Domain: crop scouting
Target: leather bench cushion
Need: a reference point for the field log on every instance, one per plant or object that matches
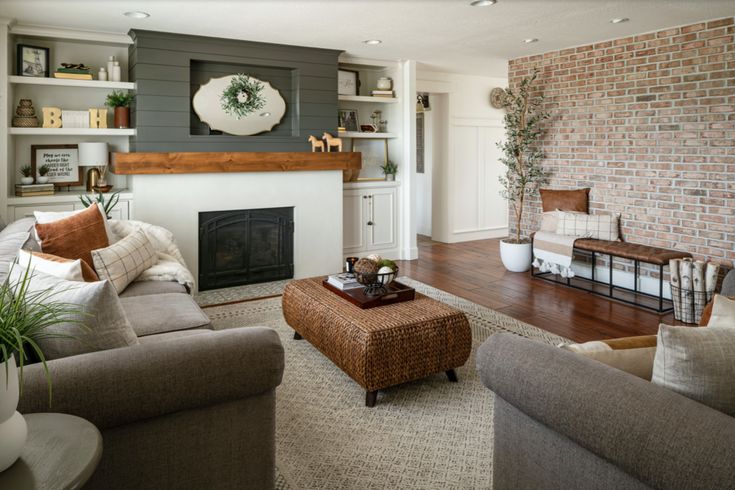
(145, 288)
(633, 251)
(159, 313)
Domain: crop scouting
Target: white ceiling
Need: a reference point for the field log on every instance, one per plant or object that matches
(444, 35)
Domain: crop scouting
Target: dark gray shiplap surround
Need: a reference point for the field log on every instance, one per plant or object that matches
(167, 67)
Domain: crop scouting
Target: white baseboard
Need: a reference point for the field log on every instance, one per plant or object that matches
(470, 235)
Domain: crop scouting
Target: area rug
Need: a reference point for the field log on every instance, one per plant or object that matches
(428, 434)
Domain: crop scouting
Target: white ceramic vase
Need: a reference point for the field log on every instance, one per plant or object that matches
(26, 180)
(13, 428)
(42, 179)
(516, 257)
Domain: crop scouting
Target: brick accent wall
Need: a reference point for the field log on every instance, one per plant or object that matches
(648, 122)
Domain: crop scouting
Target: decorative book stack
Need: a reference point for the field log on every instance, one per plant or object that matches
(343, 281)
(34, 190)
(73, 72)
(382, 93)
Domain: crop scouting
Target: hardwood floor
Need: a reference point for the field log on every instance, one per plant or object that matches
(473, 270)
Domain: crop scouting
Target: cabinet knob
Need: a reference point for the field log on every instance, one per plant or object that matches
(370, 223)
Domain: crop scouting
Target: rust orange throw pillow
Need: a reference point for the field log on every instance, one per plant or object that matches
(577, 200)
(87, 272)
(74, 237)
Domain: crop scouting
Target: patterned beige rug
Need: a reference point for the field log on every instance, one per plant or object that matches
(429, 434)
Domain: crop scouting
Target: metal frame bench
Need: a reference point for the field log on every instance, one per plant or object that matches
(623, 250)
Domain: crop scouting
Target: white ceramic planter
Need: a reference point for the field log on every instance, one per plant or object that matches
(516, 257)
(41, 179)
(13, 428)
(26, 180)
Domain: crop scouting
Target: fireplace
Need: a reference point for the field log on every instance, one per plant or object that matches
(245, 247)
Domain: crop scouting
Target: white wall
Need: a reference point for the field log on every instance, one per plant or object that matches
(467, 204)
(174, 202)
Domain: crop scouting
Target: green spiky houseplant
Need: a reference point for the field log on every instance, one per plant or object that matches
(25, 317)
(522, 155)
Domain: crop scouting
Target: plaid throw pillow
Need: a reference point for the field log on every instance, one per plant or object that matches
(598, 226)
(122, 262)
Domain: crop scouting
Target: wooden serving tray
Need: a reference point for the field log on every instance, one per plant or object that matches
(397, 293)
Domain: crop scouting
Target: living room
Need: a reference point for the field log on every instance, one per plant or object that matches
(367, 244)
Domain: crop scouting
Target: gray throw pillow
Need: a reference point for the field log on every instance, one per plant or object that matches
(107, 325)
(698, 363)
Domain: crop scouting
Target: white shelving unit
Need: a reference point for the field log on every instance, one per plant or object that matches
(368, 98)
(63, 82)
(65, 45)
(71, 131)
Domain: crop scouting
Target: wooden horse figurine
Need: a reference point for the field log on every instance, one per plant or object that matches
(316, 143)
(332, 142)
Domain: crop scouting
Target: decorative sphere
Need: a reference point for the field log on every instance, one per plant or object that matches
(388, 277)
(375, 258)
(366, 266)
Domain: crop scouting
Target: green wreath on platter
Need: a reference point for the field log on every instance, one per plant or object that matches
(243, 96)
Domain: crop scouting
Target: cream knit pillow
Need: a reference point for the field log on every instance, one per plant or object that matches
(598, 226)
(122, 262)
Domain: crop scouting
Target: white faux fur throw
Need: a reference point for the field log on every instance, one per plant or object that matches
(171, 265)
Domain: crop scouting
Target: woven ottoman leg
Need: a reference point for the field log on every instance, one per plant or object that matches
(452, 375)
(370, 398)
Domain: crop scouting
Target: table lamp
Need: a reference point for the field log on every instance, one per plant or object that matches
(94, 155)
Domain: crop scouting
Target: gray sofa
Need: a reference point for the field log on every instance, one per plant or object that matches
(562, 420)
(186, 408)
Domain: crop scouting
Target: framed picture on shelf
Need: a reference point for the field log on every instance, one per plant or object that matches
(63, 163)
(32, 61)
(348, 82)
(348, 119)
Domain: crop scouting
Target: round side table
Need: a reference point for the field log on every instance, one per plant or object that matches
(62, 452)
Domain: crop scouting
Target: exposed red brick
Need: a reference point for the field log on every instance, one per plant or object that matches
(648, 122)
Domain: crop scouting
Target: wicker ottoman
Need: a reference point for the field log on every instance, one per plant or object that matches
(379, 347)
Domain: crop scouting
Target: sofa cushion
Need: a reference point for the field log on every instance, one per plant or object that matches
(698, 363)
(122, 262)
(68, 269)
(10, 243)
(144, 288)
(88, 274)
(74, 237)
(576, 200)
(103, 315)
(159, 313)
(44, 217)
(168, 336)
(722, 313)
(633, 355)
(24, 224)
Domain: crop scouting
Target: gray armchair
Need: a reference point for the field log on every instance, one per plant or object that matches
(188, 410)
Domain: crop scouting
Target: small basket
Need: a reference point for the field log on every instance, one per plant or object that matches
(375, 283)
(689, 304)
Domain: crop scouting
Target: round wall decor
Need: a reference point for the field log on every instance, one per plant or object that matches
(497, 98)
(239, 105)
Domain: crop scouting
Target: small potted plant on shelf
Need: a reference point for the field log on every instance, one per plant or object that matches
(390, 170)
(522, 159)
(106, 204)
(43, 171)
(120, 101)
(27, 172)
(25, 316)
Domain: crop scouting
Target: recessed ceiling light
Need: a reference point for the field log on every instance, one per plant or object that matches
(483, 3)
(373, 42)
(137, 14)
(530, 40)
(619, 20)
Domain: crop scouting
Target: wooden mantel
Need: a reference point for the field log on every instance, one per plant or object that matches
(221, 162)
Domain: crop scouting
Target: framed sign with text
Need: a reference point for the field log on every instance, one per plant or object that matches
(62, 161)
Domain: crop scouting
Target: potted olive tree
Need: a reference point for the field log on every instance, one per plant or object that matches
(522, 159)
(24, 317)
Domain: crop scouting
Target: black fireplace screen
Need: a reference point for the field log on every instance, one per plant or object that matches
(245, 247)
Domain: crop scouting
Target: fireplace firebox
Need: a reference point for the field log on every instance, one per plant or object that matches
(245, 247)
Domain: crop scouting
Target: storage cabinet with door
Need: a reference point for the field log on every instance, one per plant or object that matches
(370, 221)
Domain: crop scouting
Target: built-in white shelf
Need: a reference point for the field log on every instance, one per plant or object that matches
(64, 82)
(371, 184)
(71, 131)
(359, 135)
(61, 196)
(368, 98)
